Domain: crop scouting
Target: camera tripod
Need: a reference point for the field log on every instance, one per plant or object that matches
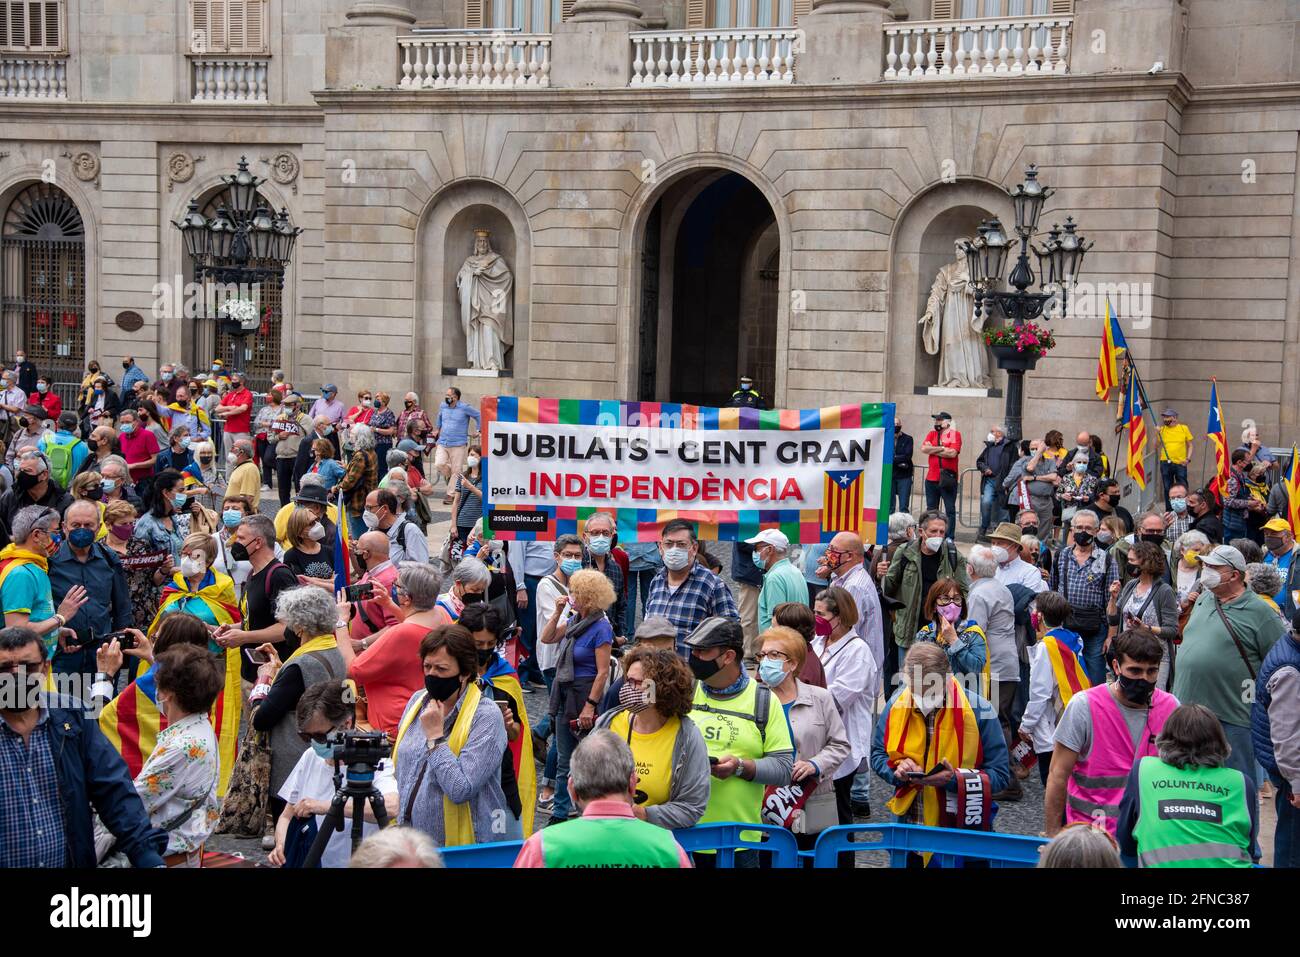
(359, 786)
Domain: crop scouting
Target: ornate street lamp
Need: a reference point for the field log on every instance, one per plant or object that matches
(1060, 259)
(244, 244)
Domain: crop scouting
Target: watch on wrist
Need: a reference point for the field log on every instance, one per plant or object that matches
(594, 704)
(740, 769)
(60, 619)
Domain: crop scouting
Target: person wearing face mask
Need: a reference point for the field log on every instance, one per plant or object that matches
(44, 398)
(961, 637)
(101, 405)
(744, 727)
(184, 410)
(1106, 503)
(140, 446)
(1012, 568)
(406, 542)
(1189, 771)
(64, 450)
(1083, 574)
(467, 499)
(853, 679)
(311, 553)
(936, 744)
(103, 445)
(452, 432)
(1150, 529)
(30, 428)
(322, 430)
(1245, 503)
(943, 446)
(328, 405)
(1228, 635)
(1205, 515)
(1083, 451)
(685, 592)
(313, 497)
(242, 475)
(131, 374)
(285, 433)
(308, 790)
(178, 457)
(1103, 732)
(325, 463)
(845, 565)
(994, 462)
(372, 615)
(146, 571)
(907, 578)
(585, 638)
(12, 402)
(1280, 549)
(166, 522)
(653, 717)
(1055, 676)
(198, 590)
(1077, 488)
(1178, 518)
(469, 582)
(600, 553)
(33, 485)
(501, 681)
(900, 493)
(450, 744)
(234, 509)
(25, 592)
(782, 582)
(82, 563)
(25, 372)
(1147, 599)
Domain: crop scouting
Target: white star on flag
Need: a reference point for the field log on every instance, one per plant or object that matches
(843, 480)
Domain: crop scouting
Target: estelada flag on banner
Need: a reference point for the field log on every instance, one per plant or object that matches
(842, 501)
(1215, 432)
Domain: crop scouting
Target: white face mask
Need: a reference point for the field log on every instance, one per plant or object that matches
(1001, 554)
(990, 438)
(192, 566)
(370, 519)
(232, 459)
(1211, 579)
(932, 545)
(677, 558)
(316, 532)
(472, 462)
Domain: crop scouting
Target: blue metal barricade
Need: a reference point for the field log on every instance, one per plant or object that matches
(500, 854)
(726, 840)
(951, 847)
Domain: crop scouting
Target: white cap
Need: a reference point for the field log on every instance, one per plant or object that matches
(770, 536)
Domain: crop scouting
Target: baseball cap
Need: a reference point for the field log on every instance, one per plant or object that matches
(656, 626)
(329, 387)
(941, 415)
(1277, 525)
(1225, 555)
(717, 633)
(211, 382)
(770, 536)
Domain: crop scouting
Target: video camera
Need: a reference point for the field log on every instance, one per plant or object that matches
(360, 747)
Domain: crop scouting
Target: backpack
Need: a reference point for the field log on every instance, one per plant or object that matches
(762, 703)
(60, 457)
(1023, 598)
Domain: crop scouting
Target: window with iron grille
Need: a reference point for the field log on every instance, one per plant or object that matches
(261, 352)
(32, 26)
(228, 26)
(43, 282)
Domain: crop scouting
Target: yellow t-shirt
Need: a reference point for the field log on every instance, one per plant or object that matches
(282, 521)
(1175, 440)
(246, 480)
(653, 754)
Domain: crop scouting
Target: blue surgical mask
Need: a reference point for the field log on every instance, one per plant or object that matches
(109, 485)
(571, 565)
(759, 561)
(180, 500)
(770, 672)
(598, 545)
(127, 428)
(323, 749)
(231, 517)
(81, 537)
(167, 377)
(1178, 504)
(185, 443)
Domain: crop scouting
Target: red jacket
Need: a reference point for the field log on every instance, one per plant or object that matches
(50, 402)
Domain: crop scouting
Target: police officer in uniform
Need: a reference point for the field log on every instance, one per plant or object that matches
(746, 397)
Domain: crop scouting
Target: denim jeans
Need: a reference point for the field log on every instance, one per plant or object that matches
(565, 743)
(638, 580)
(1094, 659)
(900, 499)
(988, 494)
(932, 496)
(546, 729)
(861, 790)
(1286, 839)
(528, 669)
(1171, 474)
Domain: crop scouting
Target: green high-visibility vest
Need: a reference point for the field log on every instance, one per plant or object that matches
(1191, 817)
(608, 842)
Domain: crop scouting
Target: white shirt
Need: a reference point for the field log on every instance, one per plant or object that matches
(14, 396)
(853, 679)
(313, 778)
(181, 774)
(1039, 721)
(548, 593)
(870, 627)
(1020, 572)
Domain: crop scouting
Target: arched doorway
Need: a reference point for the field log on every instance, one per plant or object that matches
(202, 338)
(43, 281)
(710, 262)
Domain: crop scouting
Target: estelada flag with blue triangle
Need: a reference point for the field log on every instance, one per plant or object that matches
(842, 501)
(1291, 482)
(1215, 432)
(1137, 433)
(1112, 345)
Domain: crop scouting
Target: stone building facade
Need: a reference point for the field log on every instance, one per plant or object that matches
(683, 191)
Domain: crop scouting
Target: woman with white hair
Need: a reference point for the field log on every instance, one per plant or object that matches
(308, 613)
(1189, 547)
(398, 847)
(469, 582)
(1265, 581)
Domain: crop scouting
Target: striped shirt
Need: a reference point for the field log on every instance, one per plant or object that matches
(31, 811)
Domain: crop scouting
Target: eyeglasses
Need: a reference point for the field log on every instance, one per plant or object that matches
(319, 737)
(772, 656)
(633, 682)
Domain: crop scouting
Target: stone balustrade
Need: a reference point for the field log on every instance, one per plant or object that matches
(467, 60)
(40, 78)
(997, 46)
(227, 79)
(671, 57)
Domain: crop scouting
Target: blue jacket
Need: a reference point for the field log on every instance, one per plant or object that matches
(92, 774)
(997, 761)
(1284, 653)
(108, 599)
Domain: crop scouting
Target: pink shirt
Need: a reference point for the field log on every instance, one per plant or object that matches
(138, 447)
(530, 855)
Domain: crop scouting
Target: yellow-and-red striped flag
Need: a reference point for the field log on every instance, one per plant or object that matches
(1291, 482)
(1113, 345)
(842, 501)
(1215, 432)
(1137, 433)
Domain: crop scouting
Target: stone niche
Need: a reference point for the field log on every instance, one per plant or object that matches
(446, 241)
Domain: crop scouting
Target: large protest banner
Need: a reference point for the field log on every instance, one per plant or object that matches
(548, 464)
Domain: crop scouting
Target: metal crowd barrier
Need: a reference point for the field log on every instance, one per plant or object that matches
(950, 847)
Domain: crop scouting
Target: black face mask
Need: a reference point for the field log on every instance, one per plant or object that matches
(1155, 538)
(449, 400)
(26, 481)
(440, 689)
(471, 598)
(485, 655)
(898, 429)
(1134, 571)
(703, 669)
(1028, 529)
(1137, 690)
(1083, 538)
(95, 494)
(238, 552)
(360, 560)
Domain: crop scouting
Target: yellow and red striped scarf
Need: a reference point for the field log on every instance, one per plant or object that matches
(956, 739)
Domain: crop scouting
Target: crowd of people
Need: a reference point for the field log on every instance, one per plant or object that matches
(1133, 659)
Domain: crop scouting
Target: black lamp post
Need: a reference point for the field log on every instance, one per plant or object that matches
(1060, 258)
(246, 244)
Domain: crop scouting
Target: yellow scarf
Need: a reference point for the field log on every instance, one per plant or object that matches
(319, 643)
(14, 555)
(956, 739)
(457, 819)
(219, 596)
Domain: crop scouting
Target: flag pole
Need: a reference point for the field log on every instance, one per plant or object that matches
(1146, 406)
